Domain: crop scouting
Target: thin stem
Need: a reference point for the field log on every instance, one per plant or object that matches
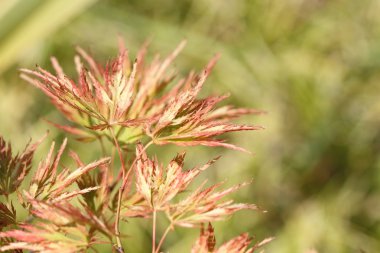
(117, 221)
(113, 153)
(134, 161)
(102, 145)
(119, 151)
(117, 230)
(154, 231)
(125, 178)
(163, 238)
(121, 191)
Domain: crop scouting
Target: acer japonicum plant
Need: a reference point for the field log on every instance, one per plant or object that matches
(132, 105)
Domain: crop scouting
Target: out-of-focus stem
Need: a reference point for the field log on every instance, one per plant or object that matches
(101, 142)
(154, 231)
(163, 238)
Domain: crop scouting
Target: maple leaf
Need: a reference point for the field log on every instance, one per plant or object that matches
(97, 200)
(205, 205)
(7, 215)
(60, 228)
(137, 99)
(188, 121)
(47, 238)
(121, 93)
(65, 213)
(240, 244)
(13, 169)
(47, 184)
(159, 185)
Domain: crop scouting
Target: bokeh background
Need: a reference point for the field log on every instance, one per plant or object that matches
(313, 65)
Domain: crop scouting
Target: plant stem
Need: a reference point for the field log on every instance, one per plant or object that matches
(120, 195)
(113, 153)
(117, 221)
(119, 151)
(122, 187)
(163, 238)
(102, 145)
(154, 231)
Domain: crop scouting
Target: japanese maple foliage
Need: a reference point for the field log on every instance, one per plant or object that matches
(132, 104)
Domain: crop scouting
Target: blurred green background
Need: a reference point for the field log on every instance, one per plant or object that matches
(314, 65)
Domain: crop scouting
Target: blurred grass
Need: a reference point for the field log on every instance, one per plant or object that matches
(312, 64)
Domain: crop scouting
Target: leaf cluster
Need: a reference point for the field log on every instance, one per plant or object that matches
(131, 104)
